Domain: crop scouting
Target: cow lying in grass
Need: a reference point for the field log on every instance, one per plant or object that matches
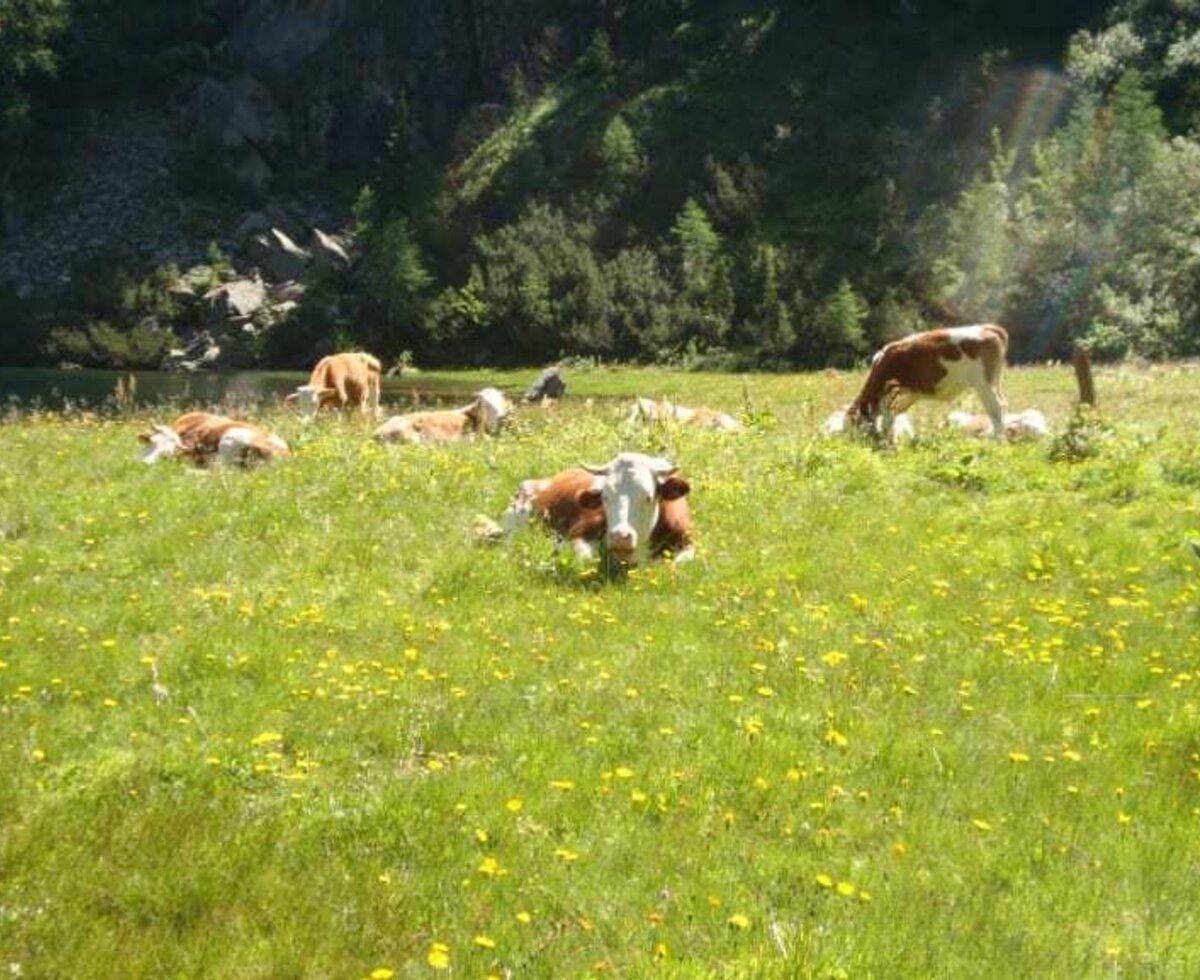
(1018, 426)
(205, 438)
(341, 381)
(648, 410)
(635, 507)
(485, 414)
(937, 364)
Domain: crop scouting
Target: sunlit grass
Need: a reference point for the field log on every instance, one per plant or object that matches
(930, 713)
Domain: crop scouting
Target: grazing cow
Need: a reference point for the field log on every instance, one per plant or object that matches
(1027, 425)
(340, 381)
(485, 414)
(936, 364)
(635, 506)
(836, 425)
(648, 410)
(205, 438)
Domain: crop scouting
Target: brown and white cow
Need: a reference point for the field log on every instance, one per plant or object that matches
(485, 414)
(635, 507)
(1027, 426)
(341, 381)
(649, 410)
(205, 438)
(938, 364)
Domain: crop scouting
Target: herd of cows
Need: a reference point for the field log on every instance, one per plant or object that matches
(635, 505)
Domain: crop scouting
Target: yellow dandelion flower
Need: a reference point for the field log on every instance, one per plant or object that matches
(491, 868)
(433, 765)
(438, 956)
(623, 772)
(846, 889)
(566, 855)
(980, 824)
(1018, 757)
(824, 881)
(739, 921)
(514, 805)
(524, 918)
(382, 973)
(564, 784)
(481, 835)
(484, 942)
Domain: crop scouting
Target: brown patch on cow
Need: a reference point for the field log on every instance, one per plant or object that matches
(434, 427)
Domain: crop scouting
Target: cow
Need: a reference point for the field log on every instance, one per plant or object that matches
(485, 414)
(648, 410)
(205, 438)
(550, 384)
(341, 381)
(937, 364)
(836, 425)
(1028, 425)
(635, 507)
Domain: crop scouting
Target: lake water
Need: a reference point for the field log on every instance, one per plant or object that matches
(53, 389)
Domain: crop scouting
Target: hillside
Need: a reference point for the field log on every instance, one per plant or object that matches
(726, 183)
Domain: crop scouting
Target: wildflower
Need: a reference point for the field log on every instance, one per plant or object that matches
(980, 824)
(514, 805)
(739, 921)
(846, 889)
(824, 881)
(438, 956)
(382, 973)
(484, 942)
(524, 918)
(565, 854)
(564, 784)
(491, 868)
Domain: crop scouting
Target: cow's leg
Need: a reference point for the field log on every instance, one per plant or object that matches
(993, 404)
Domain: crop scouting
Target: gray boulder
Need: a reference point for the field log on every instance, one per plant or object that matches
(277, 255)
(238, 299)
(327, 252)
(549, 384)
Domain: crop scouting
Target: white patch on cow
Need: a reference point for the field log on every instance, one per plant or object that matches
(494, 409)
(234, 445)
(163, 443)
(974, 331)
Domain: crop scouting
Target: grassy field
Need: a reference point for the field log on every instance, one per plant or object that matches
(926, 713)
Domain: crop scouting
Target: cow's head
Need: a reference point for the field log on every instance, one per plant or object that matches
(489, 410)
(631, 489)
(308, 399)
(162, 442)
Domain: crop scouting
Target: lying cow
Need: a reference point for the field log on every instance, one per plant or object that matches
(636, 507)
(1027, 425)
(341, 381)
(648, 410)
(937, 364)
(836, 425)
(485, 414)
(205, 438)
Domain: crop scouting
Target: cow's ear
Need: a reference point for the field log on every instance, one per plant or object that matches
(673, 487)
(144, 436)
(590, 499)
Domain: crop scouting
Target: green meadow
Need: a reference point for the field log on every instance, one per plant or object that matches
(932, 712)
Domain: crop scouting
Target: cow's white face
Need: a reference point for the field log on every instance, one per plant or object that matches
(631, 489)
(162, 442)
(308, 400)
(493, 409)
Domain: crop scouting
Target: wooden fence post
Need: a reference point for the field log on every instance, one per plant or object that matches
(1083, 376)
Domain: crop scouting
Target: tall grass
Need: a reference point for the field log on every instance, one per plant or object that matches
(927, 713)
